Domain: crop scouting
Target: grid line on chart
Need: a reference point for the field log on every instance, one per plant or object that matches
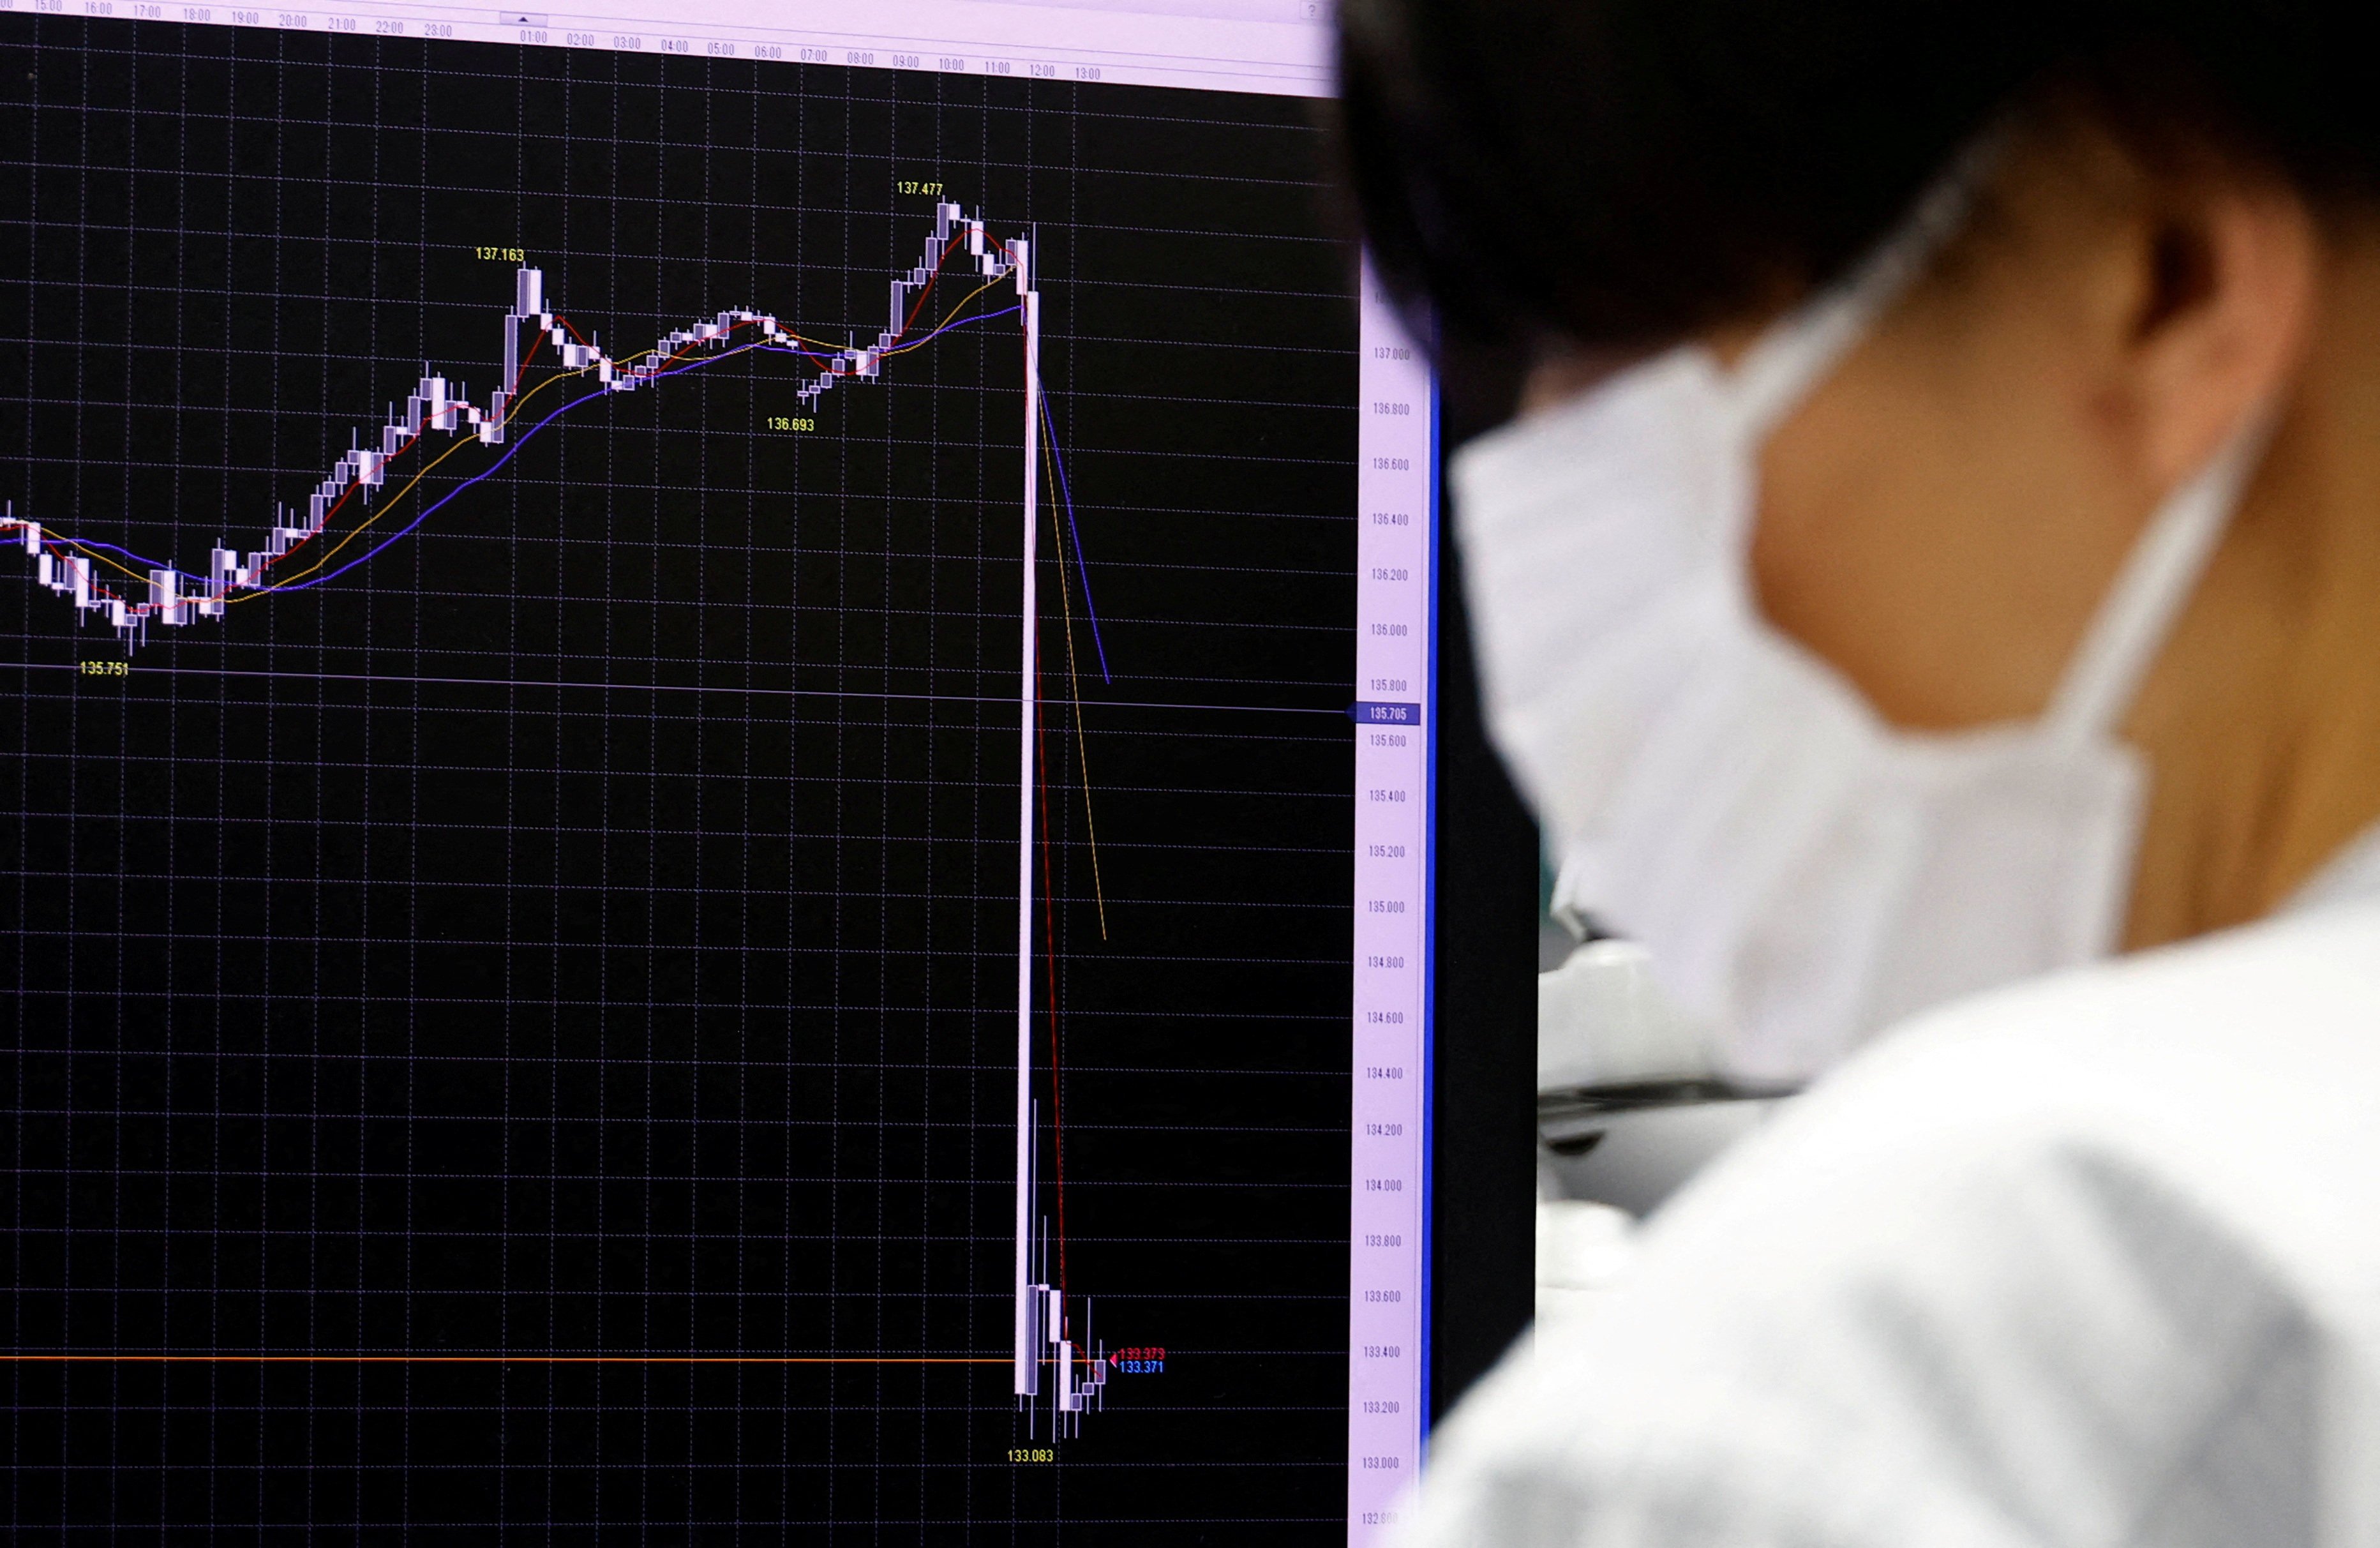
(377, 994)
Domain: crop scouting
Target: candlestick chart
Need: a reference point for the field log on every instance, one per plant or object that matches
(674, 795)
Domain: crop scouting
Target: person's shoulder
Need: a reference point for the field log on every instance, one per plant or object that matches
(1995, 1281)
(2296, 984)
(2221, 1058)
(2235, 1078)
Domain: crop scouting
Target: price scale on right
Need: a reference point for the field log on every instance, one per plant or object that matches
(1394, 720)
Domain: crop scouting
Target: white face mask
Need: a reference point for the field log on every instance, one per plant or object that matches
(1801, 873)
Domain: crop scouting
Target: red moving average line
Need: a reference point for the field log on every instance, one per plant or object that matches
(213, 1358)
(412, 441)
(513, 391)
(1050, 935)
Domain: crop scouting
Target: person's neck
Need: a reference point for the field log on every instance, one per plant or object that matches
(2261, 720)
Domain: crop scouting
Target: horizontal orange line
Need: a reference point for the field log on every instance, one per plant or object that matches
(13, 1358)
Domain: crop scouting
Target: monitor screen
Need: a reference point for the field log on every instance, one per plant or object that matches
(714, 780)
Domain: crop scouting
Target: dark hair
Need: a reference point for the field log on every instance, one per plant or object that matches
(1619, 173)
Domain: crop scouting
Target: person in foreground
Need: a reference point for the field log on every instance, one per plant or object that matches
(1939, 550)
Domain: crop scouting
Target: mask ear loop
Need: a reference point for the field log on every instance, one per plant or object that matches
(2158, 578)
(1799, 351)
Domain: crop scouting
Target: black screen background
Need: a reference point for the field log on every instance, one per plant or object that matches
(588, 928)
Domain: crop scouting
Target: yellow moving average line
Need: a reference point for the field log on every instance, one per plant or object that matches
(1074, 686)
(511, 409)
(391, 502)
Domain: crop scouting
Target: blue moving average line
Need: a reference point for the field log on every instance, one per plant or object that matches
(433, 405)
(1082, 565)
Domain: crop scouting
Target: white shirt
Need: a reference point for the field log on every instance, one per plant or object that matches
(2091, 1261)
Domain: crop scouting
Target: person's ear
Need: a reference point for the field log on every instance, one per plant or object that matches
(2222, 299)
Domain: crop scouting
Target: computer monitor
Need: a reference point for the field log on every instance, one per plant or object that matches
(718, 776)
